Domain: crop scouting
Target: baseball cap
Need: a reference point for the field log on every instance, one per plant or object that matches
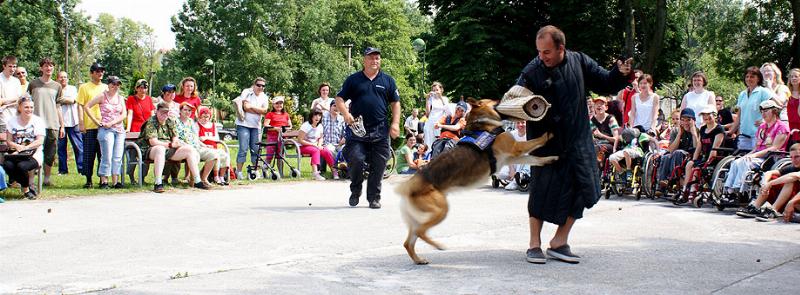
(768, 104)
(113, 80)
(97, 67)
(600, 97)
(708, 110)
(168, 88)
(461, 105)
(277, 99)
(371, 50)
(687, 112)
(203, 110)
(142, 82)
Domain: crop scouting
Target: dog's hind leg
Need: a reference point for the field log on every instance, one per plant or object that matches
(410, 243)
(438, 212)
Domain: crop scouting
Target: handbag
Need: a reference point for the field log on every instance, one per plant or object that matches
(23, 155)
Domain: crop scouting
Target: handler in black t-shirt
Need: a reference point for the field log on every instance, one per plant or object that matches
(370, 92)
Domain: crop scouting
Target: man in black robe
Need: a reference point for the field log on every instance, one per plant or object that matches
(560, 191)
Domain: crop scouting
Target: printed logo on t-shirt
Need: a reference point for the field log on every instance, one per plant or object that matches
(23, 136)
(380, 86)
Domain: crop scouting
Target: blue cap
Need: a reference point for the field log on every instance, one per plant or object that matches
(461, 105)
(687, 112)
(168, 87)
(371, 50)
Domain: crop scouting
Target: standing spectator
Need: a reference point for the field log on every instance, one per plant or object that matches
(159, 142)
(773, 81)
(86, 92)
(25, 132)
(111, 133)
(276, 119)
(188, 93)
(310, 139)
(69, 111)
(333, 131)
(254, 104)
(139, 108)
(793, 105)
(208, 135)
(423, 118)
(725, 119)
(188, 133)
(625, 99)
(46, 93)
(699, 97)
(10, 91)
(749, 115)
(559, 192)
(371, 93)
(323, 102)
(645, 106)
(412, 122)
(22, 75)
(168, 96)
(436, 108)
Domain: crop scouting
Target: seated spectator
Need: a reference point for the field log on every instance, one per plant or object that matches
(790, 213)
(421, 155)
(412, 122)
(277, 118)
(140, 108)
(682, 145)
(405, 159)
(188, 134)
(450, 126)
(25, 132)
(631, 140)
(159, 143)
(605, 129)
(333, 130)
(310, 139)
(770, 136)
(783, 180)
(208, 135)
(711, 136)
(111, 134)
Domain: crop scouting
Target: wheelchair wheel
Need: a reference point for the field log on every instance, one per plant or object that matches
(611, 188)
(698, 201)
(782, 163)
(389, 166)
(495, 181)
(718, 177)
(522, 181)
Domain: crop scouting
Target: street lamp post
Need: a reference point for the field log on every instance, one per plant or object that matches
(213, 65)
(349, 54)
(419, 47)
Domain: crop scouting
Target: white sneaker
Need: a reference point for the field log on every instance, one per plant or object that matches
(512, 186)
(318, 177)
(239, 175)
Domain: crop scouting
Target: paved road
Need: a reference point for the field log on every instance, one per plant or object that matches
(301, 238)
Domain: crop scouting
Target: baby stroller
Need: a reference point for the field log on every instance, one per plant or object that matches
(271, 154)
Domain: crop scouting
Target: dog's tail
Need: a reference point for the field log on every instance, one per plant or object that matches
(414, 211)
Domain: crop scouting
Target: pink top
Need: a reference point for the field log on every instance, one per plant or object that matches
(110, 109)
(765, 136)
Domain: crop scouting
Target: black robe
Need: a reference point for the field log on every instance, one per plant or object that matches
(572, 183)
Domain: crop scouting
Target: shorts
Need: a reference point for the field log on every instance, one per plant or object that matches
(620, 155)
(169, 153)
(207, 154)
(50, 146)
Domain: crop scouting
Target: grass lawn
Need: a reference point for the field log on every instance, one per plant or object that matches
(71, 184)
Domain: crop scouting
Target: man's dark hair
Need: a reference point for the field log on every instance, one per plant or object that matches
(555, 33)
(46, 61)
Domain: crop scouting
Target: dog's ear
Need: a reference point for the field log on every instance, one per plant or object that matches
(473, 102)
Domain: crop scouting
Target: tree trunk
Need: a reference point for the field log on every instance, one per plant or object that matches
(657, 40)
(629, 24)
(795, 49)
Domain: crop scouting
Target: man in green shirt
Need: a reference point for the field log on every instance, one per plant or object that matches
(45, 94)
(159, 142)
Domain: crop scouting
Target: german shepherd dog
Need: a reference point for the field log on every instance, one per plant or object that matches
(424, 204)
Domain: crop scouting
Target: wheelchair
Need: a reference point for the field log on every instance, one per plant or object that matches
(268, 161)
(341, 164)
(521, 178)
(620, 185)
(699, 189)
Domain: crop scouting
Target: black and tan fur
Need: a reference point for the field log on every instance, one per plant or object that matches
(424, 204)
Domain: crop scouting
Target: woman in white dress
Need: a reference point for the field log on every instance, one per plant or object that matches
(698, 98)
(645, 105)
(435, 107)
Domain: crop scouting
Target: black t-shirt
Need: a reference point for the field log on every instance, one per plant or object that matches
(788, 169)
(725, 116)
(707, 139)
(370, 99)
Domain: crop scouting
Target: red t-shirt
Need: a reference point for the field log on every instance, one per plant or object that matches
(194, 100)
(276, 120)
(208, 132)
(627, 94)
(142, 110)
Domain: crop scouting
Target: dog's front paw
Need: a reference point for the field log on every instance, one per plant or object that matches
(422, 261)
(550, 159)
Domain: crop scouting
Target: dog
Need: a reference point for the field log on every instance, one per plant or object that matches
(424, 202)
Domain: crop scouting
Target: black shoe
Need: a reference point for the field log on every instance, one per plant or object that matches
(354, 200)
(564, 254)
(88, 185)
(535, 255)
(32, 189)
(201, 185)
(749, 212)
(118, 185)
(158, 188)
(768, 214)
(29, 195)
(132, 178)
(375, 204)
(103, 185)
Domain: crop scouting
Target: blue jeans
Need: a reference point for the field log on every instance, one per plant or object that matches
(76, 139)
(746, 143)
(112, 144)
(248, 139)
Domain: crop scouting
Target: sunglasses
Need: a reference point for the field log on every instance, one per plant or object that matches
(261, 85)
(144, 86)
